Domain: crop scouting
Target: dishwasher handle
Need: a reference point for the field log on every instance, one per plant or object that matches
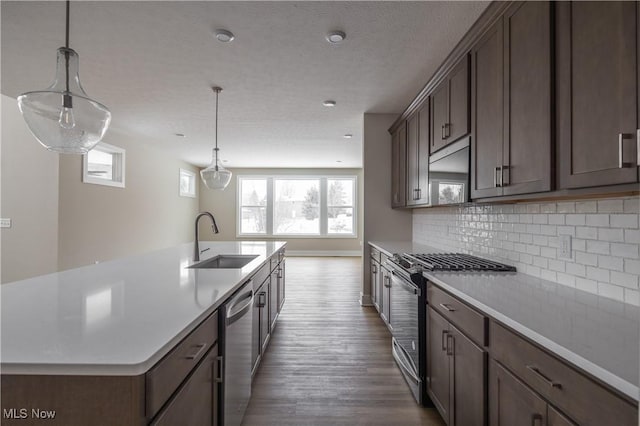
(240, 306)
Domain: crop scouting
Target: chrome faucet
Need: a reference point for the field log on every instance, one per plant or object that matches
(214, 227)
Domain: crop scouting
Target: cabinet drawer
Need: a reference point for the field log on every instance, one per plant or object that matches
(375, 254)
(195, 403)
(472, 323)
(165, 377)
(262, 274)
(581, 398)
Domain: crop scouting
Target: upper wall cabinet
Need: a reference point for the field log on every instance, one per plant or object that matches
(399, 167)
(511, 104)
(596, 93)
(450, 107)
(418, 157)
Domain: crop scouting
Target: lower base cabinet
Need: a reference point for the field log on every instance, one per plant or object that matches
(196, 402)
(455, 373)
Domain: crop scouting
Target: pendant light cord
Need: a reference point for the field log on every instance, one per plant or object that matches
(217, 93)
(67, 101)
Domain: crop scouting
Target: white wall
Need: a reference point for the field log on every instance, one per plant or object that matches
(99, 223)
(605, 235)
(29, 196)
(223, 205)
(381, 222)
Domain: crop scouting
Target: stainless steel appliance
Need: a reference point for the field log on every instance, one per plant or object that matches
(237, 354)
(408, 307)
(449, 174)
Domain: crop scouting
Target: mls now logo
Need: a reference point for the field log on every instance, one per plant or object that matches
(23, 413)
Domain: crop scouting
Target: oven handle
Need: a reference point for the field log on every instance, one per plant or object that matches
(410, 287)
(400, 356)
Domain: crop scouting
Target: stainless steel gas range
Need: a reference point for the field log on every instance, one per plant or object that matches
(408, 303)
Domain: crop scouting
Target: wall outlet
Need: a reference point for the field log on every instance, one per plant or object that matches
(565, 247)
(5, 223)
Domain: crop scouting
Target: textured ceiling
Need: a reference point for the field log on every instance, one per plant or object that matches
(153, 63)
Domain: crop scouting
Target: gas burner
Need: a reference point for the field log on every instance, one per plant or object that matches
(452, 262)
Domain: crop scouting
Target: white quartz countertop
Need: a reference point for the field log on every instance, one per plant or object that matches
(118, 317)
(598, 335)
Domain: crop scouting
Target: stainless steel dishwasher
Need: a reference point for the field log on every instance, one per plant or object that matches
(237, 354)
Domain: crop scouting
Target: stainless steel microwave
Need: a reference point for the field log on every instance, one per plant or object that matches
(449, 174)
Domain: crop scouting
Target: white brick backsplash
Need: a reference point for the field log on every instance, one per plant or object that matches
(608, 234)
(605, 257)
(624, 220)
(611, 206)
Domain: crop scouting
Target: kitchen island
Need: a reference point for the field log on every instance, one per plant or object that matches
(94, 332)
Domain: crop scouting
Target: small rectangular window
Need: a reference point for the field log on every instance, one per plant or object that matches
(187, 183)
(104, 165)
(340, 206)
(253, 206)
(296, 207)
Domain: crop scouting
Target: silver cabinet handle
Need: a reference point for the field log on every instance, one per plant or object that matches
(496, 180)
(445, 333)
(262, 299)
(447, 130)
(451, 339)
(220, 377)
(502, 170)
(387, 281)
(442, 132)
(200, 347)
(621, 138)
(544, 378)
(447, 307)
(374, 268)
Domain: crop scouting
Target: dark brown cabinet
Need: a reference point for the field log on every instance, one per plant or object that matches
(512, 402)
(511, 104)
(596, 93)
(281, 284)
(196, 402)
(399, 167)
(376, 283)
(418, 157)
(450, 107)
(273, 298)
(455, 373)
(385, 313)
(261, 324)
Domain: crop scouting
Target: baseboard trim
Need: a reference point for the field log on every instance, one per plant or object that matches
(324, 253)
(365, 300)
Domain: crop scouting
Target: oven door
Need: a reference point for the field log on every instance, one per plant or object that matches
(405, 302)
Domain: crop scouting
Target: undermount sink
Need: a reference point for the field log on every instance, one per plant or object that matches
(225, 261)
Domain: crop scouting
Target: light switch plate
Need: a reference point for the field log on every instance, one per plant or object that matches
(565, 247)
(5, 223)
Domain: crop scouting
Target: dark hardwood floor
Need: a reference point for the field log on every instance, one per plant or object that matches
(329, 361)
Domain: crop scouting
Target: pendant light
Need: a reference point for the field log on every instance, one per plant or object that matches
(216, 176)
(62, 117)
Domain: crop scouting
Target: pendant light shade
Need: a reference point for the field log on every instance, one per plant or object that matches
(62, 117)
(215, 176)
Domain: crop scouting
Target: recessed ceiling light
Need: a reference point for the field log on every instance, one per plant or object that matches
(329, 103)
(335, 37)
(225, 161)
(338, 161)
(180, 135)
(348, 136)
(224, 36)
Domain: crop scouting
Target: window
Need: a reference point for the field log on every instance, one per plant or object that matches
(309, 206)
(450, 193)
(187, 183)
(104, 165)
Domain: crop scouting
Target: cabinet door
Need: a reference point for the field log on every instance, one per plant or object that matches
(386, 296)
(468, 373)
(273, 298)
(596, 89)
(438, 364)
(511, 402)
(418, 157)
(398, 167)
(487, 113)
(255, 333)
(195, 403)
(439, 116)
(458, 124)
(555, 418)
(265, 323)
(527, 134)
(375, 271)
(281, 285)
